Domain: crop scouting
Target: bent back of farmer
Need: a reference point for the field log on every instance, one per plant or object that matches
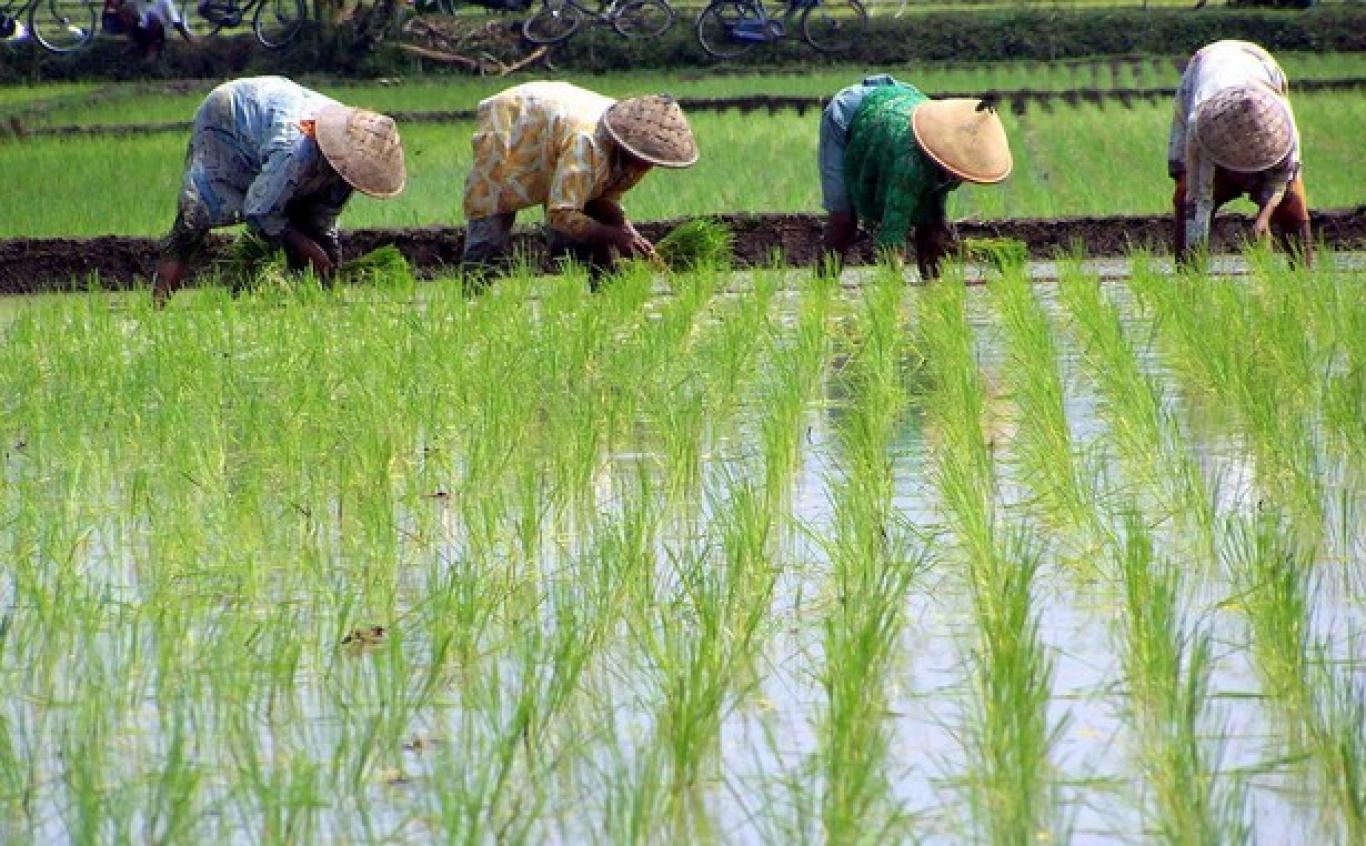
(889, 156)
(1233, 133)
(284, 160)
(574, 152)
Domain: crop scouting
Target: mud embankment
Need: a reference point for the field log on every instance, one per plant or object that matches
(111, 262)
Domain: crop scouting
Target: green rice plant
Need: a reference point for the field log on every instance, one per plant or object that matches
(709, 637)
(1142, 430)
(1342, 750)
(1000, 253)
(251, 258)
(696, 243)
(1274, 395)
(872, 566)
(1042, 442)
(1318, 708)
(1167, 666)
(199, 504)
(790, 385)
(384, 263)
(1012, 788)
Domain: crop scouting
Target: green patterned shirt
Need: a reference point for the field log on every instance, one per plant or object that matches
(890, 181)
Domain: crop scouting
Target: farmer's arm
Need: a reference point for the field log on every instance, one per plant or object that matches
(571, 189)
(318, 219)
(1290, 220)
(1199, 198)
(934, 239)
(608, 208)
(264, 209)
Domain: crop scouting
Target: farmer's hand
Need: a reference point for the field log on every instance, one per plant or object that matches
(1261, 227)
(932, 244)
(302, 249)
(170, 275)
(630, 243)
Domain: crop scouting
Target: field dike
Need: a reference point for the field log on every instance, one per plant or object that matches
(34, 265)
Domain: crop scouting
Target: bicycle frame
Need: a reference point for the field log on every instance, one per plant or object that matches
(16, 9)
(602, 14)
(240, 11)
(762, 29)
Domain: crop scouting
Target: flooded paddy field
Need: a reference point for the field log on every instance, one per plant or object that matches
(779, 561)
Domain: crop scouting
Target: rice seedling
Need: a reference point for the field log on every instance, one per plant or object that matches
(999, 253)
(1274, 574)
(697, 243)
(1042, 443)
(1012, 788)
(1210, 327)
(1168, 667)
(873, 563)
(1141, 429)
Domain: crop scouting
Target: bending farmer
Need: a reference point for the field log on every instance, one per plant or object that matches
(284, 160)
(575, 153)
(1233, 133)
(890, 155)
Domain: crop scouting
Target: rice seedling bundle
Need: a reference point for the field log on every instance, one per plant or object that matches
(695, 244)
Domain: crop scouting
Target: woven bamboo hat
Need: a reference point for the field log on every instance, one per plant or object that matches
(1246, 128)
(653, 129)
(364, 148)
(965, 137)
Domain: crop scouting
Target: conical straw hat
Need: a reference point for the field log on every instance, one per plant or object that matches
(653, 129)
(964, 137)
(1246, 128)
(364, 148)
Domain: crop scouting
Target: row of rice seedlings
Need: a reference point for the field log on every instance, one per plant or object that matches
(791, 383)
(1142, 431)
(1167, 665)
(1042, 444)
(1344, 402)
(1008, 736)
(873, 561)
(1208, 328)
(707, 633)
(1274, 574)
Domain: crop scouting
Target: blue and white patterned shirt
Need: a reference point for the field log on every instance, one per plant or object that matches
(250, 160)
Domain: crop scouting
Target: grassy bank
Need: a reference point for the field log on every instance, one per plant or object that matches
(1084, 160)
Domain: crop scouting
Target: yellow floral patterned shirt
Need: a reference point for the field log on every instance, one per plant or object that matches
(540, 144)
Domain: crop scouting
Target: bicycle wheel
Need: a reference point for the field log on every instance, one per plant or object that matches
(277, 22)
(730, 28)
(832, 26)
(62, 26)
(557, 20)
(643, 18)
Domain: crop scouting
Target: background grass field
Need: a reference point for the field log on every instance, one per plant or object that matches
(1083, 160)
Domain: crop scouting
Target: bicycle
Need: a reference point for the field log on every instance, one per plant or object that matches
(59, 26)
(730, 28)
(559, 19)
(275, 22)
